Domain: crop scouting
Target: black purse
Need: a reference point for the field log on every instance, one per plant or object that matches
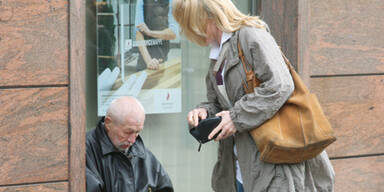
(204, 128)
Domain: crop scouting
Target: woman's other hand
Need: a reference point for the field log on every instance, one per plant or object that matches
(194, 115)
(226, 126)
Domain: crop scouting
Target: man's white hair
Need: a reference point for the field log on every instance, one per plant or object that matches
(124, 107)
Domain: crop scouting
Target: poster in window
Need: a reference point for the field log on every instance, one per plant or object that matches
(139, 54)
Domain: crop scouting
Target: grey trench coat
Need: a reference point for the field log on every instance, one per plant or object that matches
(250, 110)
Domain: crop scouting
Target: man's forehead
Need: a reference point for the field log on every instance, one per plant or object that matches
(137, 120)
(133, 124)
(130, 127)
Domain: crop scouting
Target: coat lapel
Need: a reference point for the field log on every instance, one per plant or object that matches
(232, 54)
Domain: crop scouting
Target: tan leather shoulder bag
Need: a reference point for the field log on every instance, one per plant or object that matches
(298, 131)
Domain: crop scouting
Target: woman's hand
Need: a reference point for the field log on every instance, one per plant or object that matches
(226, 126)
(194, 115)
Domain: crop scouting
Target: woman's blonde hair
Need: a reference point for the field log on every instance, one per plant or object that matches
(193, 15)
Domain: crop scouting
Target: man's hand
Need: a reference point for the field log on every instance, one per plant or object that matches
(154, 64)
(143, 28)
(226, 126)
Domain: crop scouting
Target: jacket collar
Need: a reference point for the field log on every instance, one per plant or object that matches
(234, 53)
(229, 52)
(136, 150)
(216, 49)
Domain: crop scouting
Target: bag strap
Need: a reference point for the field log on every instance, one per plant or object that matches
(287, 62)
(242, 58)
(251, 81)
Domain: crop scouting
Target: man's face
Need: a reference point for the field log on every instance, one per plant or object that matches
(123, 136)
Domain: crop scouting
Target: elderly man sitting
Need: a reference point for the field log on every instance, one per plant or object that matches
(117, 159)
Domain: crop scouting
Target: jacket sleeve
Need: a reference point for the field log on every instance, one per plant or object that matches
(262, 51)
(94, 183)
(212, 105)
(163, 181)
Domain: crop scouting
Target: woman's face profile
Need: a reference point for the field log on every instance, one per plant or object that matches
(212, 33)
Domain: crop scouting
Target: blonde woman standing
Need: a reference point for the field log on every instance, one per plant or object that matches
(219, 24)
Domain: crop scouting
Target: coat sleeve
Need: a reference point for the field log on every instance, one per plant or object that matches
(164, 183)
(212, 105)
(162, 180)
(94, 183)
(262, 51)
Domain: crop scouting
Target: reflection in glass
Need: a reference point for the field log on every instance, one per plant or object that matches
(180, 75)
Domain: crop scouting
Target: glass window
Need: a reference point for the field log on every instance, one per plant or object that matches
(117, 52)
(139, 54)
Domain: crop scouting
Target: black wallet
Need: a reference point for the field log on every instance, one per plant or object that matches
(204, 128)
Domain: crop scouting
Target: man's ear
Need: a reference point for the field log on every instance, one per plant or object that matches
(107, 122)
